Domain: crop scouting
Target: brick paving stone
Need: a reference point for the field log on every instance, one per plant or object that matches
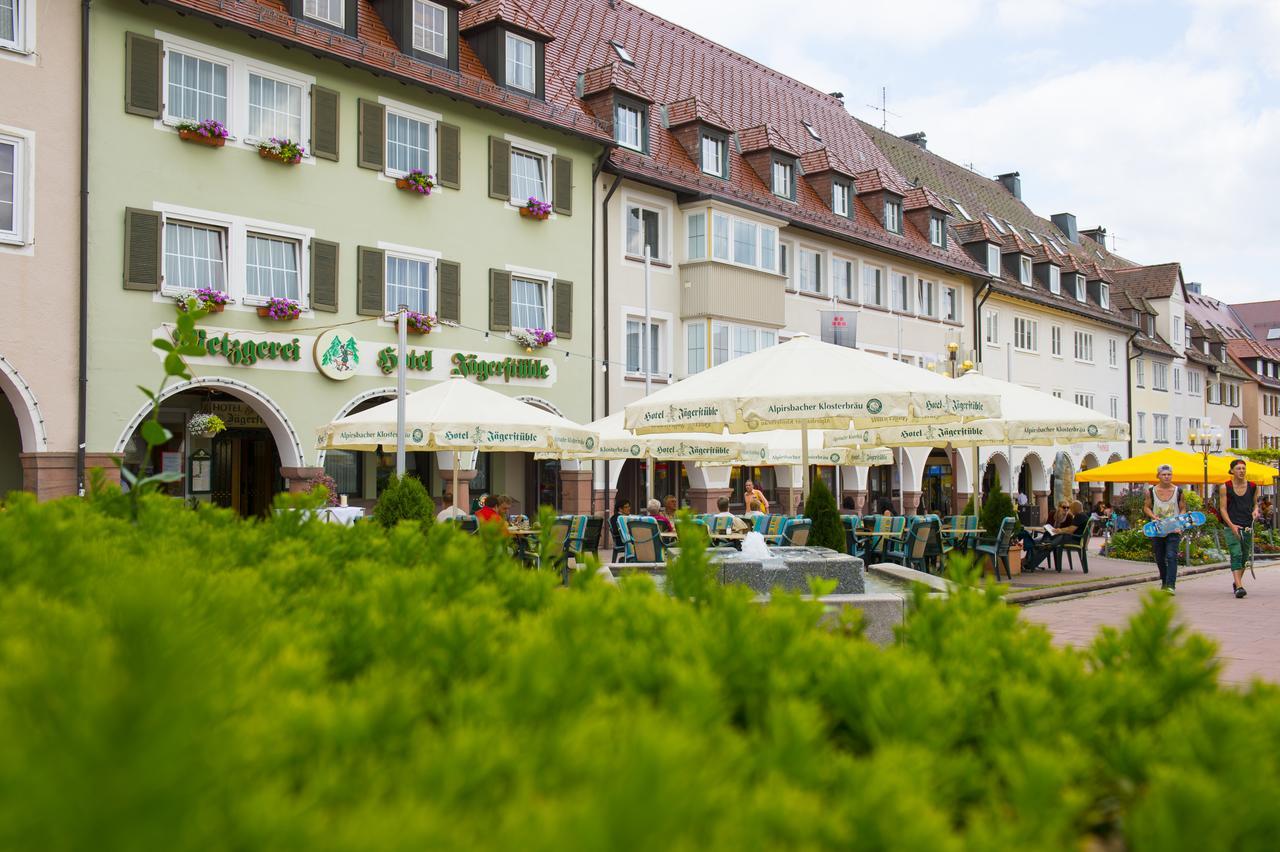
(1247, 630)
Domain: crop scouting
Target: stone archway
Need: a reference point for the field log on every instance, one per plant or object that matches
(22, 432)
(1038, 495)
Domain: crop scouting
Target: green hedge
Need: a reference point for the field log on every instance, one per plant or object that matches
(198, 682)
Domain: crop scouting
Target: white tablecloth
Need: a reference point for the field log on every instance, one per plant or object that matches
(345, 515)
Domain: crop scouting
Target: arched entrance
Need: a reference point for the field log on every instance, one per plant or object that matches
(21, 426)
(239, 467)
(879, 489)
(668, 478)
(361, 476)
(997, 465)
(1085, 490)
(1061, 480)
(937, 486)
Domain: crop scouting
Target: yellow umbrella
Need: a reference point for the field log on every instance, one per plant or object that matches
(1188, 469)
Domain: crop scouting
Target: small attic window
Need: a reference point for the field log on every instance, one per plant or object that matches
(964, 214)
(812, 132)
(1034, 238)
(995, 223)
(622, 52)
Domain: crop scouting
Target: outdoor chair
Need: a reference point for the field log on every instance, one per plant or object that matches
(796, 532)
(587, 541)
(760, 523)
(774, 526)
(923, 547)
(622, 541)
(873, 536)
(852, 545)
(645, 543)
(998, 548)
(1073, 543)
(895, 548)
(721, 524)
(468, 524)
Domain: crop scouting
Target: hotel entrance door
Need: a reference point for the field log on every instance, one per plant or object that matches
(246, 471)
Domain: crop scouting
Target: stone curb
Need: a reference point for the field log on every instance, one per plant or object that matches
(1037, 595)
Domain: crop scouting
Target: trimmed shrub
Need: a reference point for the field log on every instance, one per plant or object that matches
(404, 499)
(996, 506)
(199, 682)
(820, 508)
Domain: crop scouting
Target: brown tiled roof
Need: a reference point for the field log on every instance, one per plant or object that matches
(763, 136)
(375, 51)
(694, 109)
(1236, 422)
(1216, 316)
(823, 160)
(1260, 317)
(1241, 350)
(1154, 344)
(976, 232)
(1012, 243)
(507, 11)
(612, 75)
(1149, 282)
(673, 64)
(919, 197)
(876, 180)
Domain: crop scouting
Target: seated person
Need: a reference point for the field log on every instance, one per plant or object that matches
(450, 511)
(621, 508)
(736, 524)
(670, 506)
(753, 509)
(655, 511)
(1036, 550)
(488, 512)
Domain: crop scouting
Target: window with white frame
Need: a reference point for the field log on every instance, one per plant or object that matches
(195, 256)
(810, 265)
(1177, 330)
(1084, 346)
(951, 304)
(1104, 294)
(937, 231)
(13, 189)
(629, 126)
(1080, 288)
(1055, 340)
(1177, 379)
(1160, 428)
(991, 326)
(842, 278)
(695, 336)
(1237, 438)
(1026, 333)
(1213, 393)
(784, 262)
(1177, 430)
(1057, 393)
(528, 302)
(926, 298)
(752, 244)
(1084, 399)
(840, 198)
(695, 226)
(901, 292)
(720, 336)
(275, 108)
(1160, 377)
(1055, 280)
(271, 267)
(13, 24)
(528, 176)
(732, 340)
(637, 354)
(893, 216)
(197, 87)
(783, 179)
(329, 11)
(1194, 382)
(430, 28)
(1113, 352)
(1114, 407)
(1142, 426)
(1024, 270)
(993, 259)
(713, 155)
(1139, 373)
(873, 285)
(408, 283)
(409, 143)
(644, 228)
(521, 57)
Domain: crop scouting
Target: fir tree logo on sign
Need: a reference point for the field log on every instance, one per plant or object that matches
(337, 357)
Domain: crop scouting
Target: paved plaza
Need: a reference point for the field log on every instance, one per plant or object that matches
(1247, 630)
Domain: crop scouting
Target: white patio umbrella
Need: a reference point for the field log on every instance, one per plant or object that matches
(783, 447)
(462, 416)
(619, 443)
(806, 384)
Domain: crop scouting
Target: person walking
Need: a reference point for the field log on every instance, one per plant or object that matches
(749, 491)
(1238, 505)
(1165, 500)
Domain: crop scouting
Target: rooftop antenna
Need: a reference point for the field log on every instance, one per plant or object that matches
(883, 109)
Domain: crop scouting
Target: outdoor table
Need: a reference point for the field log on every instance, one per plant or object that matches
(345, 515)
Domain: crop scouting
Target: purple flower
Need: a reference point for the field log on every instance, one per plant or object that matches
(540, 209)
(422, 323)
(420, 182)
(283, 309)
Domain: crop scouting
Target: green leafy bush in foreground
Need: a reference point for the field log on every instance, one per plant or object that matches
(197, 682)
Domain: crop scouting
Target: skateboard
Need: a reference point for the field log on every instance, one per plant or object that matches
(1172, 524)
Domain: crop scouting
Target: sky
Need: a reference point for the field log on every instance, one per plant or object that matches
(1156, 119)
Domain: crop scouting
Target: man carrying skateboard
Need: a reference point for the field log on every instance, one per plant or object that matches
(1238, 505)
(1165, 500)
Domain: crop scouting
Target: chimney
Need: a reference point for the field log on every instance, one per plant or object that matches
(917, 138)
(1098, 235)
(1195, 287)
(1066, 223)
(1012, 182)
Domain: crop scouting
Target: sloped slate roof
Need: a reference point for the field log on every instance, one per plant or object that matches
(612, 75)
(506, 11)
(694, 109)
(1150, 282)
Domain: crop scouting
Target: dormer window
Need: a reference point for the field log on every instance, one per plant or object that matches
(1104, 295)
(995, 223)
(1080, 291)
(840, 198)
(893, 216)
(937, 231)
(521, 63)
(628, 122)
(993, 259)
(784, 179)
(1055, 280)
(622, 52)
(1024, 270)
(331, 12)
(714, 161)
(813, 133)
(431, 28)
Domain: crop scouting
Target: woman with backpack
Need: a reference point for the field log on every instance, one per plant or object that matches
(1238, 505)
(1165, 500)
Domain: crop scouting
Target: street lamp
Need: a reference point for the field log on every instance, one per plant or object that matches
(1206, 441)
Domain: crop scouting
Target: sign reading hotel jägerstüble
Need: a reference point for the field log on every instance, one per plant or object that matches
(339, 355)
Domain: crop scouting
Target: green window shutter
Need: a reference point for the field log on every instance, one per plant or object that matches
(324, 275)
(563, 318)
(499, 300)
(142, 249)
(324, 123)
(373, 129)
(370, 282)
(562, 169)
(499, 168)
(449, 285)
(449, 155)
(143, 59)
